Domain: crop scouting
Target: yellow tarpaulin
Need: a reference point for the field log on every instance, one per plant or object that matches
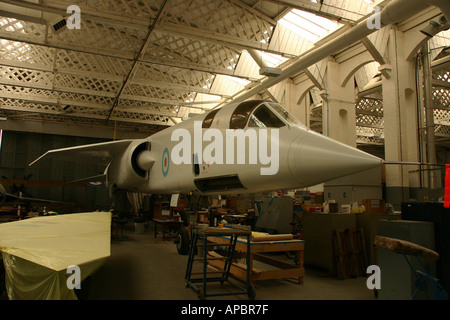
(37, 252)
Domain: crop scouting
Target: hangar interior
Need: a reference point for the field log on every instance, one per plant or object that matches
(85, 72)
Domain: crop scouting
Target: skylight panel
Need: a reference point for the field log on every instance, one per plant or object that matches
(239, 81)
(319, 22)
(3, 22)
(310, 26)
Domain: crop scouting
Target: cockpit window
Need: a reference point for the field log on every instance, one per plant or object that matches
(284, 114)
(260, 114)
(209, 119)
(242, 112)
(263, 117)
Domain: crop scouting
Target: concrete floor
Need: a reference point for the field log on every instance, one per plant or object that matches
(143, 268)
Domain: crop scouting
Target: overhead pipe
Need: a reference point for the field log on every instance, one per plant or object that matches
(257, 57)
(394, 12)
(444, 5)
(264, 68)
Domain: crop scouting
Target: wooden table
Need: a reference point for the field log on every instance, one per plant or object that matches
(282, 270)
(166, 224)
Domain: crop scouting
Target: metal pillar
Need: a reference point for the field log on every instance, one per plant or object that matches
(429, 112)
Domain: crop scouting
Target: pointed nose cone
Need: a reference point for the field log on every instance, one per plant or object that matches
(314, 159)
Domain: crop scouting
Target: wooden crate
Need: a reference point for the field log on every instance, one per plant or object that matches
(349, 253)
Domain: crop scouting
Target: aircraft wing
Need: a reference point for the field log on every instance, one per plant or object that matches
(98, 178)
(12, 199)
(98, 152)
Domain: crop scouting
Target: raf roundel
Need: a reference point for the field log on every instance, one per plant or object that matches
(165, 162)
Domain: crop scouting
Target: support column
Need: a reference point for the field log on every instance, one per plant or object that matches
(429, 114)
(400, 121)
(339, 114)
(297, 106)
(339, 118)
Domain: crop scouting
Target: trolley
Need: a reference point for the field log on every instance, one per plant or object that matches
(199, 238)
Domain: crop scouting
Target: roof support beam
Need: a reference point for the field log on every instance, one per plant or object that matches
(394, 12)
(136, 60)
(373, 51)
(27, 109)
(441, 84)
(105, 76)
(62, 103)
(45, 43)
(220, 39)
(61, 89)
(318, 9)
(166, 27)
(114, 54)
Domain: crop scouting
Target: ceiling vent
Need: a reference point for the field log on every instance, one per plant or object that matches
(58, 24)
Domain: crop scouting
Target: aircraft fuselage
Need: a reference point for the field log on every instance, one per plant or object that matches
(254, 146)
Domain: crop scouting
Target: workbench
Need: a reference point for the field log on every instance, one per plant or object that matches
(282, 270)
(166, 224)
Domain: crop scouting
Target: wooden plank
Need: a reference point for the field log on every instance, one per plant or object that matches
(358, 246)
(239, 271)
(272, 247)
(281, 274)
(207, 272)
(337, 261)
(284, 270)
(405, 247)
(350, 253)
(259, 274)
(210, 258)
(273, 262)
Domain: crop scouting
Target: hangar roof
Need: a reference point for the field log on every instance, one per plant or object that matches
(148, 64)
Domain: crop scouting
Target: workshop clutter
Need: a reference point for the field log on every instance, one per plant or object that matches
(374, 206)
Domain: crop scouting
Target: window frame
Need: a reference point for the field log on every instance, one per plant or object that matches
(240, 117)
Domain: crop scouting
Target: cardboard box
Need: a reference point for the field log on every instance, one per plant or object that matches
(376, 206)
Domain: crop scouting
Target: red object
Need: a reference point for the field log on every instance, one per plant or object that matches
(447, 187)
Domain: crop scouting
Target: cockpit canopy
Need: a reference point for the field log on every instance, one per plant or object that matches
(261, 114)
